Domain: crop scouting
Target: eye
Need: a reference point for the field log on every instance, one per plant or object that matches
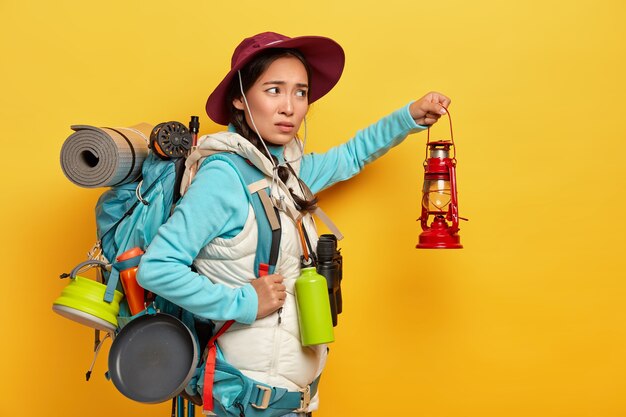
(301, 93)
(272, 90)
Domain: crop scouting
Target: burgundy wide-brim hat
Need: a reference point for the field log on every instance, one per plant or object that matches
(324, 56)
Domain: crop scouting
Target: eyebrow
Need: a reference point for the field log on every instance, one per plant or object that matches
(283, 83)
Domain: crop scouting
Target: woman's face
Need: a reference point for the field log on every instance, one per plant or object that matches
(278, 100)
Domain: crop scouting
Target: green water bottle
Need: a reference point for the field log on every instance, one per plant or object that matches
(314, 316)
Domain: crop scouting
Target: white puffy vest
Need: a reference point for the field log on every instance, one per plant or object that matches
(268, 350)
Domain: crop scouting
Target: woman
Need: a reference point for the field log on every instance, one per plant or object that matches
(202, 258)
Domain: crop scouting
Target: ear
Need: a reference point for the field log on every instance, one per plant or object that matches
(238, 103)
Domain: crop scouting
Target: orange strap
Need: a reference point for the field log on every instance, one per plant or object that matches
(209, 368)
(305, 251)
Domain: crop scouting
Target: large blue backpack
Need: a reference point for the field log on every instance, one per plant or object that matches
(129, 216)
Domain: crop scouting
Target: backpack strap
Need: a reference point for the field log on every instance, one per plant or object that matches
(264, 396)
(267, 218)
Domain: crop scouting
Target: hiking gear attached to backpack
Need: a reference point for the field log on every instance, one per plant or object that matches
(165, 371)
(314, 315)
(128, 216)
(82, 300)
(170, 140)
(330, 265)
(105, 157)
(136, 297)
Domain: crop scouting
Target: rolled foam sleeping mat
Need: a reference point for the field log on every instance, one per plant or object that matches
(105, 157)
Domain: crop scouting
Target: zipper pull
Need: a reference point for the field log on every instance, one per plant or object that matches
(280, 319)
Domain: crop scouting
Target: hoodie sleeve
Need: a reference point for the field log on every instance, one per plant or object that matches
(320, 171)
(215, 205)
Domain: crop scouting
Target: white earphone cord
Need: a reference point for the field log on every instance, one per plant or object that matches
(300, 144)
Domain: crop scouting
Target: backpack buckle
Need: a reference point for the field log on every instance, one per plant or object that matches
(305, 399)
(265, 401)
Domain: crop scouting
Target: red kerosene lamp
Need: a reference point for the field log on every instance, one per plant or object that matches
(439, 199)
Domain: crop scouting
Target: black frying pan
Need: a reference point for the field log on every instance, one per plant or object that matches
(152, 358)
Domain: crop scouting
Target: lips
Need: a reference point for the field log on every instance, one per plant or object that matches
(285, 127)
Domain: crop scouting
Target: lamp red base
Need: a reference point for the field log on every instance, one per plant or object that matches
(439, 236)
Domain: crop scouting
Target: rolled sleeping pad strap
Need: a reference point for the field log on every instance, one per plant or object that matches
(128, 263)
(105, 157)
(114, 278)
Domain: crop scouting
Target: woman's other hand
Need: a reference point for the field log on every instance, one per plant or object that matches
(271, 293)
(428, 109)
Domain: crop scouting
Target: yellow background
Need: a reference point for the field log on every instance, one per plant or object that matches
(528, 320)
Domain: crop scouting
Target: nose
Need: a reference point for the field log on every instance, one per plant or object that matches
(286, 105)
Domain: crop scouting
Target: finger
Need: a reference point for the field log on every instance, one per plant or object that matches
(277, 278)
(430, 120)
(437, 97)
(433, 108)
(428, 108)
(280, 287)
(441, 99)
(432, 116)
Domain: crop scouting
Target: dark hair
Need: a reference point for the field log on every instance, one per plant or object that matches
(250, 73)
